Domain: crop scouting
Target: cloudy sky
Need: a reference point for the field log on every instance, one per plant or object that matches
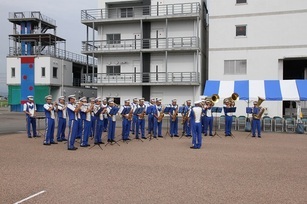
(66, 13)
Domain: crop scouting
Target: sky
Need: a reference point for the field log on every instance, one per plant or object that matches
(68, 20)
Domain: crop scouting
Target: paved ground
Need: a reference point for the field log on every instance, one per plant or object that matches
(226, 170)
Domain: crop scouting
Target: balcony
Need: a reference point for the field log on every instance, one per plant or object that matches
(137, 45)
(139, 12)
(137, 79)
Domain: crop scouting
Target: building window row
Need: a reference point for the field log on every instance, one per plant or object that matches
(235, 67)
(113, 38)
(241, 1)
(113, 70)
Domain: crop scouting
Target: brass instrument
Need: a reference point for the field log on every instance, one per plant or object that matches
(142, 115)
(174, 115)
(185, 117)
(161, 115)
(261, 111)
(130, 114)
(234, 97)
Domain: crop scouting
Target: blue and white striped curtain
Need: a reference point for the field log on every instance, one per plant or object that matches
(270, 90)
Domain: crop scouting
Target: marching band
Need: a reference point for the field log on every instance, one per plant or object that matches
(91, 119)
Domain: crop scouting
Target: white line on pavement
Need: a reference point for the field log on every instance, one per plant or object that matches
(36, 194)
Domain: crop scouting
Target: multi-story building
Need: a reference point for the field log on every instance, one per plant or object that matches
(147, 48)
(258, 40)
(38, 63)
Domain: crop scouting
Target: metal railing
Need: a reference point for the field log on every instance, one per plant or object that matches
(31, 14)
(138, 44)
(59, 53)
(149, 77)
(141, 11)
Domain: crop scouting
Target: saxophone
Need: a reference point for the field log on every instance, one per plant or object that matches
(174, 115)
(185, 117)
(161, 115)
(130, 115)
(142, 115)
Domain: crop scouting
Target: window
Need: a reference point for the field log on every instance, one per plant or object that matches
(43, 71)
(55, 72)
(13, 74)
(232, 67)
(113, 70)
(241, 1)
(126, 12)
(241, 30)
(113, 38)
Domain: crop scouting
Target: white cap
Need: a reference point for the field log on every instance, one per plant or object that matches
(97, 99)
(141, 99)
(61, 98)
(30, 97)
(71, 96)
(92, 99)
(197, 102)
(174, 100)
(159, 99)
(127, 100)
(83, 99)
(49, 97)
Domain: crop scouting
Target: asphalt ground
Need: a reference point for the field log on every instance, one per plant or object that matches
(238, 169)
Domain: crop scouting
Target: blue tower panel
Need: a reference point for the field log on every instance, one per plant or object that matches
(27, 77)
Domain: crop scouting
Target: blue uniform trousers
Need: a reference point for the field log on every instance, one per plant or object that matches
(61, 129)
(126, 128)
(134, 122)
(150, 123)
(98, 130)
(140, 125)
(209, 125)
(93, 122)
(196, 135)
(111, 129)
(228, 124)
(86, 127)
(105, 124)
(256, 126)
(79, 128)
(157, 128)
(31, 121)
(72, 133)
(173, 126)
(49, 132)
(187, 128)
(203, 123)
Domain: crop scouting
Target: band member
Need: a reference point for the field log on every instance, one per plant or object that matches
(62, 113)
(209, 118)
(256, 121)
(72, 110)
(134, 105)
(99, 112)
(79, 123)
(105, 115)
(140, 125)
(158, 117)
(228, 118)
(30, 110)
(196, 127)
(174, 119)
(126, 112)
(85, 113)
(93, 118)
(150, 115)
(112, 122)
(49, 121)
(185, 119)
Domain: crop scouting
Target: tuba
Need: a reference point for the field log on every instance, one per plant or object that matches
(261, 111)
(234, 97)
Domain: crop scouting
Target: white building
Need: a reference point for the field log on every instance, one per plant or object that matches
(258, 40)
(147, 48)
(38, 66)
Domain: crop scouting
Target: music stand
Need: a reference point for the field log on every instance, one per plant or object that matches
(216, 110)
(231, 110)
(114, 110)
(167, 110)
(38, 132)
